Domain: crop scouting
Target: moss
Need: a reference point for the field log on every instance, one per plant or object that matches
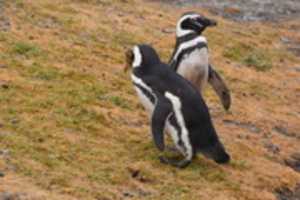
(258, 60)
(250, 56)
(25, 48)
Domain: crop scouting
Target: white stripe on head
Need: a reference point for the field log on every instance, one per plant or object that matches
(189, 44)
(181, 32)
(137, 61)
(179, 116)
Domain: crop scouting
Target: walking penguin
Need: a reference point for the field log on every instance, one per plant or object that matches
(175, 106)
(190, 57)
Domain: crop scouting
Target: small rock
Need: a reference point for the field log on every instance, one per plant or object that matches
(9, 196)
(138, 175)
(285, 193)
(251, 127)
(285, 40)
(125, 194)
(3, 134)
(3, 66)
(15, 121)
(168, 30)
(284, 131)
(31, 37)
(4, 84)
(297, 69)
(294, 162)
(2, 174)
(134, 172)
(272, 147)
(4, 152)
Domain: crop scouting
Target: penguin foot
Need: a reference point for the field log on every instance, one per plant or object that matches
(172, 149)
(171, 161)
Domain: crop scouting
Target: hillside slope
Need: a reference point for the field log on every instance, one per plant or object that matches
(71, 126)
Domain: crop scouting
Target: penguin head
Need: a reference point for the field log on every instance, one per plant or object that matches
(193, 23)
(141, 56)
(217, 153)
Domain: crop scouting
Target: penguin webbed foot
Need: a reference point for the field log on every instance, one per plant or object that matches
(172, 149)
(176, 163)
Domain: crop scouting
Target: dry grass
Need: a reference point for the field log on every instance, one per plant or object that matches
(75, 129)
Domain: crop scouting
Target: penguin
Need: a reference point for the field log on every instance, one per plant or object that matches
(175, 106)
(190, 57)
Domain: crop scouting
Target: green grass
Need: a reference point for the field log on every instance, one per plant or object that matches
(258, 60)
(250, 56)
(119, 101)
(25, 48)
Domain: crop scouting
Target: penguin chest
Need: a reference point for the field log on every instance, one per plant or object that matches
(145, 99)
(194, 67)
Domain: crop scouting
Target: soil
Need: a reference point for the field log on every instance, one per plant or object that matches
(287, 194)
(4, 21)
(247, 10)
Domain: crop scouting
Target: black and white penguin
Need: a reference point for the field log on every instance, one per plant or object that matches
(190, 57)
(175, 106)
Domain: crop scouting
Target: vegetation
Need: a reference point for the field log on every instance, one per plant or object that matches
(74, 128)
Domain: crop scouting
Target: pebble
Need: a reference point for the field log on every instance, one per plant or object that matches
(273, 148)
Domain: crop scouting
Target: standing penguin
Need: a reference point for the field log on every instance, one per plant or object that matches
(175, 106)
(190, 57)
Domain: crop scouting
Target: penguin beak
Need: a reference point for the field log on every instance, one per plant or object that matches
(212, 22)
(203, 22)
(129, 59)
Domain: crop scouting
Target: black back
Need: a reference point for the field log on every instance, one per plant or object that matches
(161, 79)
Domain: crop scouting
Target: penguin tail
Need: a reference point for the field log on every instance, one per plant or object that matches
(217, 152)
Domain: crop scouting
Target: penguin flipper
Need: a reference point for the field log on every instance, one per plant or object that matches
(159, 116)
(220, 87)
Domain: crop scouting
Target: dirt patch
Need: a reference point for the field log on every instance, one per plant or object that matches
(294, 162)
(287, 194)
(4, 20)
(13, 187)
(13, 196)
(271, 147)
(292, 45)
(284, 131)
(246, 125)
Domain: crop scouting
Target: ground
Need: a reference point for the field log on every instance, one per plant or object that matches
(71, 126)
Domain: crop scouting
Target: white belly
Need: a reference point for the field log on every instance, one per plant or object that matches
(194, 67)
(148, 105)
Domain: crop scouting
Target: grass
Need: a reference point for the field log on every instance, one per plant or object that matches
(76, 126)
(23, 48)
(250, 56)
(258, 60)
